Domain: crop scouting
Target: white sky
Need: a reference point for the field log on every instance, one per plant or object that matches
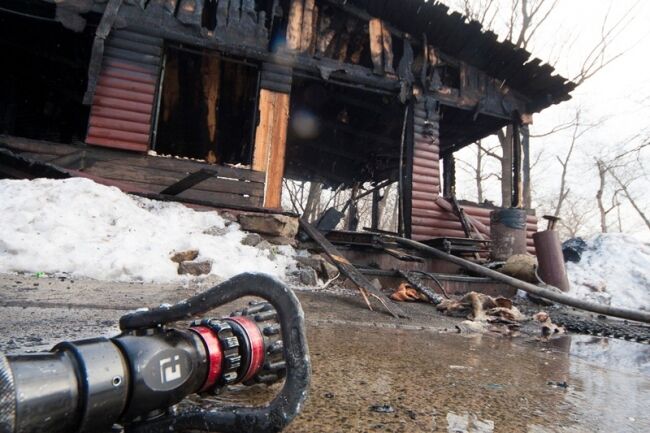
(619, 96)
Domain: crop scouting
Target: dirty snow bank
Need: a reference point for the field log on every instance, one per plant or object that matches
(615, 270)
(81, 228)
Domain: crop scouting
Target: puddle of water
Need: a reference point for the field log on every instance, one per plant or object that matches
(428, 382)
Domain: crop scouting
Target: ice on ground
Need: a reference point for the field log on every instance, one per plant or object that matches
(615, 269)
(81, 228)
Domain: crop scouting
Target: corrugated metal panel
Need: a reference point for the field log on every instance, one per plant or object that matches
(122, 109)
(426, 168)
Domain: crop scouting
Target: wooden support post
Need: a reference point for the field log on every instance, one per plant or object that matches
(376, 198)
(517, 186)
(449, 175)
(271, 142)
(525, 146)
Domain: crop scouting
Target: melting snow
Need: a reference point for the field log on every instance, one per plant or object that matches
(615, 269)
(81, 228)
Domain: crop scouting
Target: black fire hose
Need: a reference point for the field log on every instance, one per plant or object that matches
(135, 378)
(623, 313)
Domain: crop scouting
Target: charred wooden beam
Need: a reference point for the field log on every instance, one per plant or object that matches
(189, 181)
(517, 183)
(102, 32)
(449, 174)
(350, 271)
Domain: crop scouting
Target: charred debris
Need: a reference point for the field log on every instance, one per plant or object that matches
(215, 102)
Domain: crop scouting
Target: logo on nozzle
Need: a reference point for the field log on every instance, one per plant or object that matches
(170, 370)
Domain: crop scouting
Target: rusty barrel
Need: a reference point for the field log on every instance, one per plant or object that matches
(550, 259)
(507, 233)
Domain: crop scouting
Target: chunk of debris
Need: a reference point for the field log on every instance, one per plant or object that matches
(329, 270)
(549, 328)
(228, 216)
(308, 276)
(471, 327)
(325, 270)
(282, 240)
(215, 231)
(252, 239)
(194, 268)
(522, 267)
(185, 256)
(480, 307)
(406, 293)
(382, 408)
(270, 224)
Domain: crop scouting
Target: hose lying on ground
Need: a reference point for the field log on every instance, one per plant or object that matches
(623, 313)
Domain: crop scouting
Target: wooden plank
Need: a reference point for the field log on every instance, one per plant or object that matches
(349, 270)
(163, 177)
(277, 153)
(294, 27)
(127, 159)
(307, 33)
(376, 45)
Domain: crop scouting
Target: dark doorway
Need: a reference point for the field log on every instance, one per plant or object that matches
(208, 107)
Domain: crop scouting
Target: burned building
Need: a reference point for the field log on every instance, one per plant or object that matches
(244, 93)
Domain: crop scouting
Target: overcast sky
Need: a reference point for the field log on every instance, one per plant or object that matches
(619, 96)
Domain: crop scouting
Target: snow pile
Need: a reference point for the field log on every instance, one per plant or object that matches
(81, 228)
(615, 269)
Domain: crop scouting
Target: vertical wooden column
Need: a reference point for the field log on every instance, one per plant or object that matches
(271, 133)
(449, 175)
(517, 185)
(526, 119)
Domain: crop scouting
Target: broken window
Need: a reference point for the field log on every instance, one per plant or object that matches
(43, 76)
(208, 107)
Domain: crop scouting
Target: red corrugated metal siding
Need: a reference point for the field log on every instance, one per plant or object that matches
(426, 169)
(122, 109)
(434, 221)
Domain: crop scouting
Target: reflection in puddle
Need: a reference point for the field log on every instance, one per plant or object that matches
(450, 383)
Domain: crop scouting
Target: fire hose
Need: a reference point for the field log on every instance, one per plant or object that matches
(133, 381)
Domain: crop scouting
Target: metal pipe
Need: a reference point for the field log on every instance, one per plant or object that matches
(623, 313)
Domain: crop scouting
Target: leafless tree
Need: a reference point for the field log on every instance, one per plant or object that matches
(575, 217)
(624, 168)
(525, 19)
(579, 129)
(477, 168)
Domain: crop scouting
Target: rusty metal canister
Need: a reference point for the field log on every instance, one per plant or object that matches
(550, 259)
(507, 233)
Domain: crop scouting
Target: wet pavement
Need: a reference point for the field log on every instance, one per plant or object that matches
(422, 381)
(374, 374)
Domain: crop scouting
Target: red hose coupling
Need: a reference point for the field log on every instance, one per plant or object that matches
(215, 356)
